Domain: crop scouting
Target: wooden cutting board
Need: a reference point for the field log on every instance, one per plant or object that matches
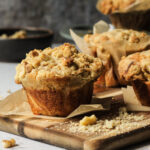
(67, 133)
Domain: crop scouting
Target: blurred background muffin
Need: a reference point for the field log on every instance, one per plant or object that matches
(130, 14)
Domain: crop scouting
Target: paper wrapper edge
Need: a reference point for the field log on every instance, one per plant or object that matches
(17, 104)
(131, 100)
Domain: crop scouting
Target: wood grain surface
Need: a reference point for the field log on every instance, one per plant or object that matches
(59, 132)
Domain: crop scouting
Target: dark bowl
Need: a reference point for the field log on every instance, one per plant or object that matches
(14, 50)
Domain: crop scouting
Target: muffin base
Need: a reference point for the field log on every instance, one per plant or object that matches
(58, 102)
(142, 91)
(133, 20)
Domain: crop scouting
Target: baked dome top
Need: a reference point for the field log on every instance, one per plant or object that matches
(135, 67)
(111, 6)
(61, 62)
(132, 41)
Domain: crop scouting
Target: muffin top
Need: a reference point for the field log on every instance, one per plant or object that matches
(112, 6)
(133, 41)
(135, 67)
(63, 62)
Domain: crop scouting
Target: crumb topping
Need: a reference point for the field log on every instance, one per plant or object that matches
(110, 6)
(61, 62)
(96, 41)
(135, 67)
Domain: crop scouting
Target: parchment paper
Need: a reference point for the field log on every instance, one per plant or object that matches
(131, 100)
(117, 50)
(17, 104)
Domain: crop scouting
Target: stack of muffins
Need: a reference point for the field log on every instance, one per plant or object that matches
(58, 80)
(131, 18)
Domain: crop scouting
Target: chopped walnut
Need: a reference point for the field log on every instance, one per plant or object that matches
(8, 143)
(88, 120)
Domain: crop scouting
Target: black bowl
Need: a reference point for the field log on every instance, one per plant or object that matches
(14, 50)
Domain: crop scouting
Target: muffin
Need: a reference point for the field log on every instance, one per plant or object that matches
(100, 44)
(58, 80)
(129, 14)
(135, 70)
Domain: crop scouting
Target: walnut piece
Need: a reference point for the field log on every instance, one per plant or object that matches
(8, 143)
(88, 120)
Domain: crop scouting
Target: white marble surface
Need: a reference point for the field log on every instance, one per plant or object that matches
(7, 73)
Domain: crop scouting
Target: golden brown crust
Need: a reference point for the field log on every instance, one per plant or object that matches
(42, 68)
(135, 67)
(133, 41)
(111, 6)
(60, 102)
(58, 80)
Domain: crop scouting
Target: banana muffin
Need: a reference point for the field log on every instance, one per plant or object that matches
(132, 41)
(135, 69)
(129, 14)
(58, 80)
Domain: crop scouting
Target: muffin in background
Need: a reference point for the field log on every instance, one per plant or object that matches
(58, 80)
(135, 70)
(128, 14)
(130, 41)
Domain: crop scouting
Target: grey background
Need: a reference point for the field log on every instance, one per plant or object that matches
(52, 14)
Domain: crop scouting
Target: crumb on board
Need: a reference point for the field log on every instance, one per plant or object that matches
(8, 143)
(116, 125)
(88, 120)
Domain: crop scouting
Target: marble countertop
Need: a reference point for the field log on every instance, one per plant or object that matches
(7, 85)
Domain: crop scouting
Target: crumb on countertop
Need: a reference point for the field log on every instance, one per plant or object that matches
(8, 143)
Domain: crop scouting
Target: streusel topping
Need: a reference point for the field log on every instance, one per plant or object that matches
(63, 61)
(131, 37)
(135, 67)
(112, 6)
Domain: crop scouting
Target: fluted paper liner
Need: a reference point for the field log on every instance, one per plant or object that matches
(136, 6)
(17, 104)
(131, 100)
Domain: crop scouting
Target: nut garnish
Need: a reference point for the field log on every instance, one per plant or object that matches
(8, 143)
(88, 120)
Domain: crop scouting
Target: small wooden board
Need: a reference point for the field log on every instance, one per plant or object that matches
(64, 132)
